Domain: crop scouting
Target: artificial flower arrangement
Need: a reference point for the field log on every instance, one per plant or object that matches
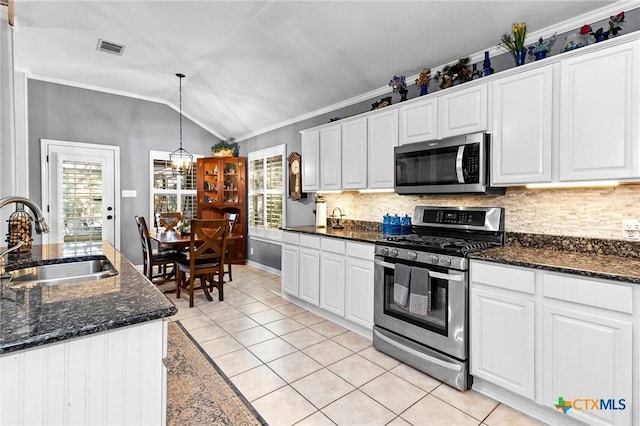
(225, 149)
(600, 34)
(399, 85)
(184, 227)
(514, 42)
(423, 80)
(454, 74)
(540, 49)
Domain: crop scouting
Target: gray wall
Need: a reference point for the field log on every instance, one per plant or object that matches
(78, 115)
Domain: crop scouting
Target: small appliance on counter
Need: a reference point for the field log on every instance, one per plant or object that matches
(336, 218)
(321, 211)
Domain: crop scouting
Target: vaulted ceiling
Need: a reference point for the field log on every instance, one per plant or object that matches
(252, 65)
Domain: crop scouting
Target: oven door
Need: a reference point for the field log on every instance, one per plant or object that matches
(442, 325)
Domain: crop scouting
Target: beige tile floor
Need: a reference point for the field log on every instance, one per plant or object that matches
(297, 368)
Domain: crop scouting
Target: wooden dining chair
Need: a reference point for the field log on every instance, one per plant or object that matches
(152, 257)
(231, 217)
(207, 251)
(169, 220)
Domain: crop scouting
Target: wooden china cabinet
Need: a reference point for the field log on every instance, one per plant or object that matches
(221, 189)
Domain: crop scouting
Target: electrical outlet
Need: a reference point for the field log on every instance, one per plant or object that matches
(631, 229)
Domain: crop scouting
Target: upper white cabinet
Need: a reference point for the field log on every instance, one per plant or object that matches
(331, 157)
(354, 154)
(522, 127)
(310, 141)
(418, 120)
(599, 98)
(382, 138)
(463, 111)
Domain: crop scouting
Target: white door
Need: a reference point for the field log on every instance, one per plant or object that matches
(79, 184)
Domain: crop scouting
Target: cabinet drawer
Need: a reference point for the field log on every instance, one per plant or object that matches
(363, 251)
(333, 245)
(605, 295)
(310, 241)
(507, 277)
(290, 238)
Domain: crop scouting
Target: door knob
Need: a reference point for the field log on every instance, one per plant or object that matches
(109, 217)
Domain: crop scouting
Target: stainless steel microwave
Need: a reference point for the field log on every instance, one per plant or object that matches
(454, 165)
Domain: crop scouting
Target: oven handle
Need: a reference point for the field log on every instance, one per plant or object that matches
(385, 264)
(420, 355)
(447, 277)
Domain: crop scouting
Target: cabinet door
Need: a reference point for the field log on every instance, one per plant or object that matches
(332, 283)
(522, 128)
(382, 138)
(463, 111)
(309, 275)
(418, 121)
(359, 291)
(599, 114)
(587, 355)
(354, 154)
(289, 269)
(330, 158)
(310, 147)
(502, 340)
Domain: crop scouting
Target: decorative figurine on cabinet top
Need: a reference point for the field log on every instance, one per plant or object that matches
(423, 81)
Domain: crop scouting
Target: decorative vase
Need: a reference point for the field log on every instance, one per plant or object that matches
(541, 54)
(403, 94)
(575, 41)
(423, 90)
(486, 65)
(520, 56)
(601, 36)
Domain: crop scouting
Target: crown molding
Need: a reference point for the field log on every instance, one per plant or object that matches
(120, 93)
(562, 27)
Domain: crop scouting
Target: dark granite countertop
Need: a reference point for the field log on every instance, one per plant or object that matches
(347, 233)
(41, 315)
(592, 265)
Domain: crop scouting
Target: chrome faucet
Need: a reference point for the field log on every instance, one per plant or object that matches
(2, 255)
(39, 222)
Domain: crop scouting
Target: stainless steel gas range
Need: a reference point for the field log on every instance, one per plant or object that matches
(421, 294)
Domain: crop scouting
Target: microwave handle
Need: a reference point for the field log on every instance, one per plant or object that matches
(459, 158)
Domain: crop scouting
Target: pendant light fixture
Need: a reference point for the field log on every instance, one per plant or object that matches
(181, 160)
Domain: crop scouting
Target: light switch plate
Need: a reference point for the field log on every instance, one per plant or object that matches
(129, 193)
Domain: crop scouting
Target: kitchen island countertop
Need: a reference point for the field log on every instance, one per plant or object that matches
(592, 265)
(41, 315)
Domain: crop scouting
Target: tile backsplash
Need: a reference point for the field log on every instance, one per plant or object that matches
(578, 212)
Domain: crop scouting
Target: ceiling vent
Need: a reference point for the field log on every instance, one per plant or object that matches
(107, 46)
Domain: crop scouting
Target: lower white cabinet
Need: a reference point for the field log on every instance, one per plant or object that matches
(333, 274)
(580, 331)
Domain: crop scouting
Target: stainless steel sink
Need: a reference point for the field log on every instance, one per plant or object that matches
(61, 273)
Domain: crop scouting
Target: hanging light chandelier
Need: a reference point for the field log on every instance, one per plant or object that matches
(181, 160)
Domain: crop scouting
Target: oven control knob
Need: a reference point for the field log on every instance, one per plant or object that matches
(384, 251)
(445, 260)
(394, 252)
(411, 255)
(434, 258)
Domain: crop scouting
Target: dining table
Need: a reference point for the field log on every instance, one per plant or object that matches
(180, 241)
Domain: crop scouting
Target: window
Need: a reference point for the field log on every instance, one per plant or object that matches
(171, 193)
(267, 192)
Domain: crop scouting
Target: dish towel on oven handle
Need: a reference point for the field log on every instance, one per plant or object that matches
(420, 293)
(401, 280)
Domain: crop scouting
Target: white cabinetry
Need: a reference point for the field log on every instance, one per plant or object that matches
(502, 327)
(354, 154)
(382, 138)
(289, 263)
(309, 269)
(332, 263)
(463, 111)
(333, 278)
(418, 120)
(522, 127)
(310, 147)
(359, 284)
(599, 126)
(587, 345)
(330, 158)
(580, 329)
